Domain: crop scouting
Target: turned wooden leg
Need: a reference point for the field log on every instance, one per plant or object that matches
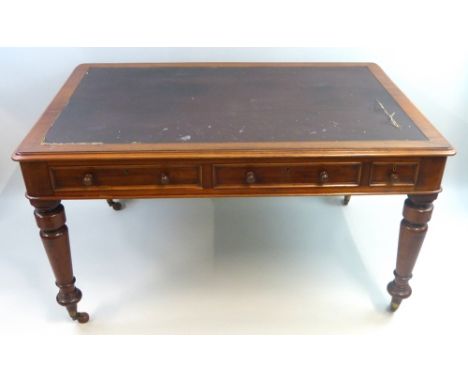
(417, 212)
(50, 218)
(346, 199)
(117, 206)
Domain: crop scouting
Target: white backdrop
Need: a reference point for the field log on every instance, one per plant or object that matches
(261, 265)
(278, 265)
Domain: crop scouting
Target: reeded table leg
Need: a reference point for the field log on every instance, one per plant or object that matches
(50, 218)
(417, 212)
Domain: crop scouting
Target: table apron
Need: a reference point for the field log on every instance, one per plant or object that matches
(232, 177)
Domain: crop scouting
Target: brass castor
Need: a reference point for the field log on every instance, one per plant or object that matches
(394, 304)
(346, 199)
(81, 317)
(117, 206)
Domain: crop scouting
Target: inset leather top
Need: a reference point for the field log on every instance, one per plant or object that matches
(230, 104)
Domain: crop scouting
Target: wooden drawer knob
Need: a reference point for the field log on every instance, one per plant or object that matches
(88, 180)
(394, 177)
(323, 176)
(165, 178)
(250, 177)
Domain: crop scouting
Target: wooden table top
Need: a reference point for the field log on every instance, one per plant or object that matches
(158, 108)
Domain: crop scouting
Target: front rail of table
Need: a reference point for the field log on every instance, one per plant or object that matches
(57, 172)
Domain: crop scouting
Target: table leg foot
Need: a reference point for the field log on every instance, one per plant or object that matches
(417, 212)
(81, 317)
(50, 218)
(346, 199)
(117, 206)
(69, 296)
(394, 304)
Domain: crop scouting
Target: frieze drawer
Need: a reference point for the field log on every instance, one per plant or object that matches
(330, 174)
(121, 177)
(394, 173)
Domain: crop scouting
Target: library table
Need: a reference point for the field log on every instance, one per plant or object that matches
(118, 131)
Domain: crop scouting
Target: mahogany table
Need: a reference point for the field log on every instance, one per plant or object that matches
(117, 131)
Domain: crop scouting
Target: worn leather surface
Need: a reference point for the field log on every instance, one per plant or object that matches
(230, 104)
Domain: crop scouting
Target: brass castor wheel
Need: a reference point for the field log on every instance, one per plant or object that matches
(394, 304)
(346, 199)
(81, 317)
(117, 206)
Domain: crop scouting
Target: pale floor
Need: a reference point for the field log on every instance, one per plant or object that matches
(303, 265)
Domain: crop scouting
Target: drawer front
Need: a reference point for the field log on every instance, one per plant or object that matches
(394, 174)
(122, 177)
(332, 174)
